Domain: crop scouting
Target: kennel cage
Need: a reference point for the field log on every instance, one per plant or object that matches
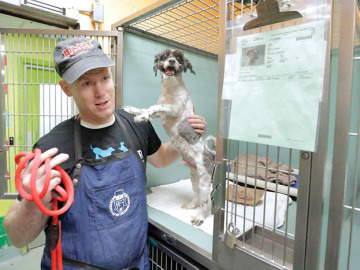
(32, 102)
(275, 252)
(209, 28)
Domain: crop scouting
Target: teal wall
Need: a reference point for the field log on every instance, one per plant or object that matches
(141, 89)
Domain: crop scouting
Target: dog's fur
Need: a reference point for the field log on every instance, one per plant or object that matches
(174, 107)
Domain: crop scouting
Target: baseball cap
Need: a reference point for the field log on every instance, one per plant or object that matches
(75, 56)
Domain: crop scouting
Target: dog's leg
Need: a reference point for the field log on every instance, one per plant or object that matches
(133, 110)
(195, 202)
(204, 197)
(156, 111)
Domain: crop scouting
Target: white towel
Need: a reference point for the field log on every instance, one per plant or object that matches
(169, 199)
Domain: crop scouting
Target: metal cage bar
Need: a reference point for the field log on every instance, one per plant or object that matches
(261, 238)
(162, 257)
(342, 128)
(342, 211)
(31, 101)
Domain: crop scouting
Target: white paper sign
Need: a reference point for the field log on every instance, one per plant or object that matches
(275, 82)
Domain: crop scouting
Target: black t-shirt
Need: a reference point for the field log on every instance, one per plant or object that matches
(99, 143)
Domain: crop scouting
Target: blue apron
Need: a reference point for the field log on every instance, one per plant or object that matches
(106, 227)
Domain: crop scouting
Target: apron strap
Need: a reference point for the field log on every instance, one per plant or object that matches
(77, 134)
(78, 152)
(130, 141)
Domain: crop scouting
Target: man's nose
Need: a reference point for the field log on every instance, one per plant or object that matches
(98, 89)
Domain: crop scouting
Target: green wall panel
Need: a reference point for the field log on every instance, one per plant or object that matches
(4, 242)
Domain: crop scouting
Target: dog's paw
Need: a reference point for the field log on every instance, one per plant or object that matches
(144, 117)
(133, 110)
(197, 221)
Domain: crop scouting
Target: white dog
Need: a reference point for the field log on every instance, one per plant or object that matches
(174, 107)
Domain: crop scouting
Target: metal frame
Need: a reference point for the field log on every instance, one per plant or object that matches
(342, 133)
(317, 171)
(3, 184)
(38, 15)
(45, 6)
(116, 46)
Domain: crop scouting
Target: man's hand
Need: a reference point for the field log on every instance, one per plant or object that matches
(198, 123)
(55, 175)
(24, 220)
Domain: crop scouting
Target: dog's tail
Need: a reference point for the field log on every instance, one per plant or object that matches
(213, 147)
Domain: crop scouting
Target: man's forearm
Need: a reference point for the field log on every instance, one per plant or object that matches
(165, 156)
(170, 154)
(23, 223)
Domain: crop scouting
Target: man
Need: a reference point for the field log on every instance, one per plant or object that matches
(105, 153)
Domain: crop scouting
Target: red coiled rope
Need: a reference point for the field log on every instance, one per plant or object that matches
(63, 195)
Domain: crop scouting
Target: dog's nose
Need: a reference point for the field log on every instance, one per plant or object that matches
(172, 61)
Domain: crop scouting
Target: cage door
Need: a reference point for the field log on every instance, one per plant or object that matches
(31, 100)
(266, 195)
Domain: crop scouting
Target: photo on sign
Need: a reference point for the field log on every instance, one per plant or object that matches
(253, 56)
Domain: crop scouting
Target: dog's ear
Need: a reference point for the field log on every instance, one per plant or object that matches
(156, 64)
(188, 66)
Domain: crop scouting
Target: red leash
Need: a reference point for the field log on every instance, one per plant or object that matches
(62, 195)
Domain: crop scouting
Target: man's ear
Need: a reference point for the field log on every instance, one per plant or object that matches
(65, 87)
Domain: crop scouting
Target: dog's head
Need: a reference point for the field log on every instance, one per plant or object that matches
(171, 63)
(253, 54)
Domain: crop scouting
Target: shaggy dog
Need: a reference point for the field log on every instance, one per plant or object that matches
(173, 108)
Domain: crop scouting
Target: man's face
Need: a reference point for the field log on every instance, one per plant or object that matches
(94, 95)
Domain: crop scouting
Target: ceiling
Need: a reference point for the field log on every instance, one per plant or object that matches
(195, 23)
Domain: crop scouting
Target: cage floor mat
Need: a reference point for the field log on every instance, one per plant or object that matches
(169, 199)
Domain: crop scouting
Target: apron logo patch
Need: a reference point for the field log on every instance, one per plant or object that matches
(119, 203)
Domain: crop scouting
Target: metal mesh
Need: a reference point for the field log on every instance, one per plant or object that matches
(161, 261)
(161, 257)
(194, 23)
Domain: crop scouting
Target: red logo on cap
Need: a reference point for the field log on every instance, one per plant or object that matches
(80, 48)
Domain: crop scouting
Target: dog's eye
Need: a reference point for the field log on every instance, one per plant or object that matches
(164, 57)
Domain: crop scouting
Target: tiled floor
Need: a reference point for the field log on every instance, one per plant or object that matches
(13, 260)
